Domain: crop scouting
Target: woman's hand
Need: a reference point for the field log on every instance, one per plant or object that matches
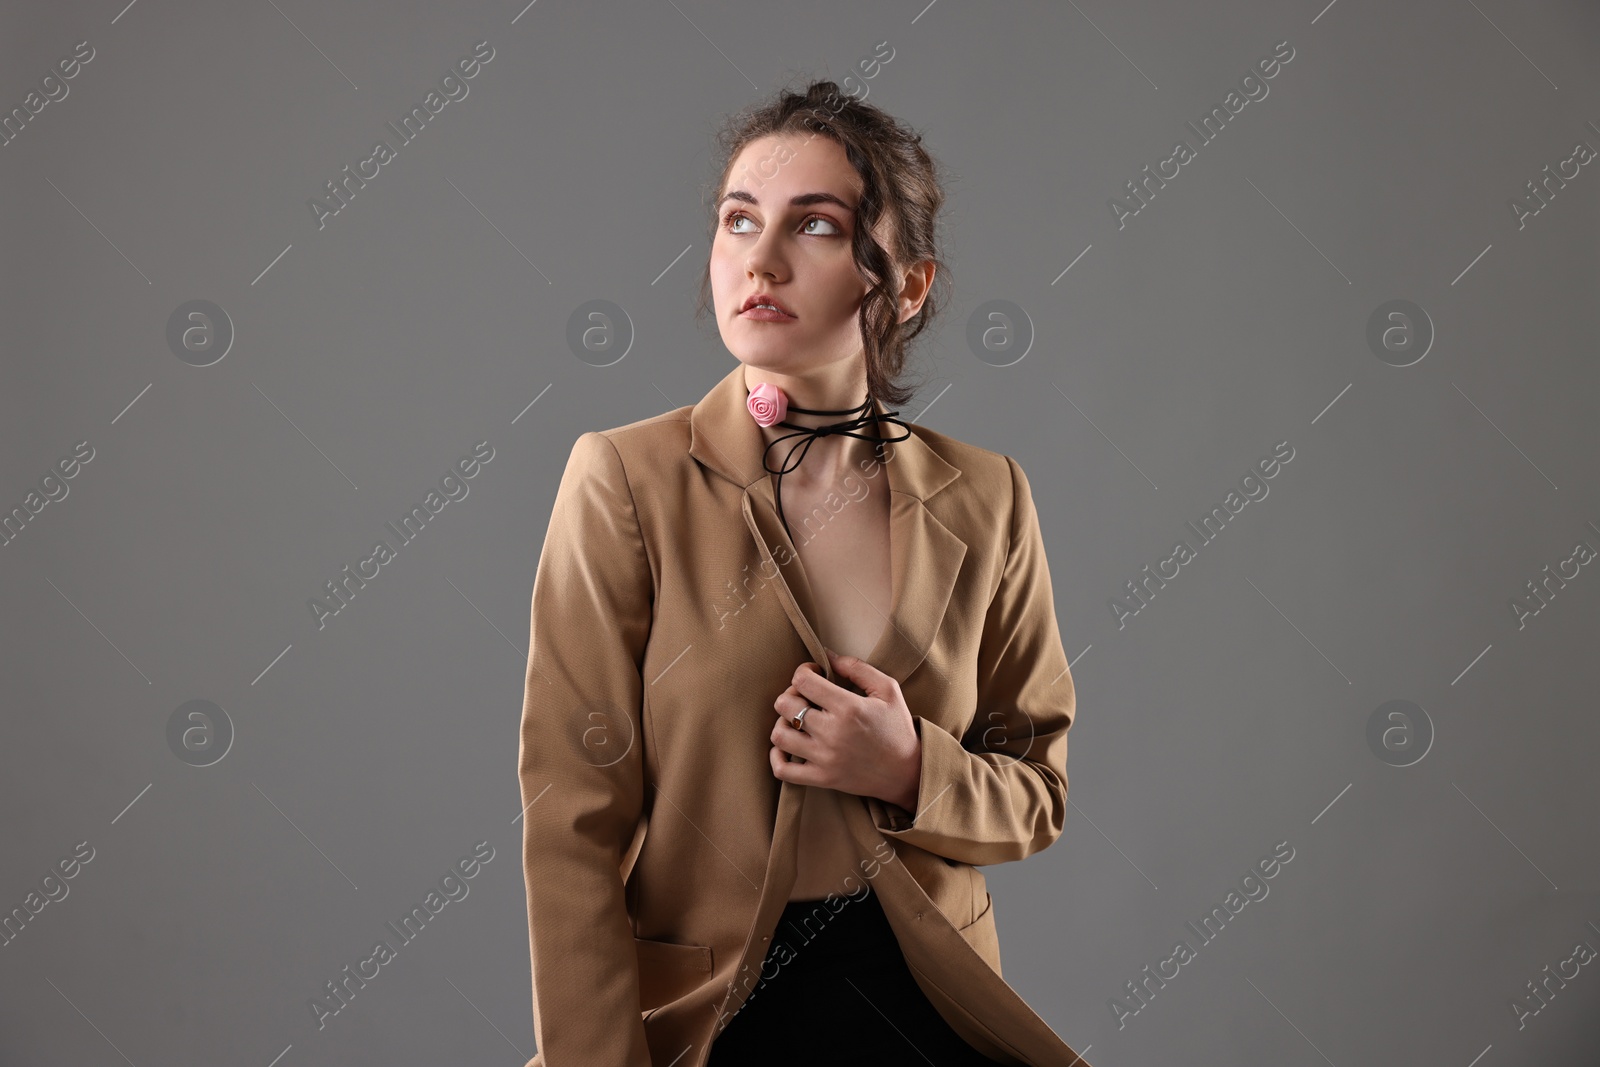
(861, 744)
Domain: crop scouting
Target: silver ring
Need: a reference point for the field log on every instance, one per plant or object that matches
(798, 721)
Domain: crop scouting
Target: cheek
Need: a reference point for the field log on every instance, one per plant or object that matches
(725, 274)
(842, 289)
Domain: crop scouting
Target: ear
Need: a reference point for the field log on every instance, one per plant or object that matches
(918, 281)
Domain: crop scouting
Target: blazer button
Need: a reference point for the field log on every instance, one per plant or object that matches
(919, 914)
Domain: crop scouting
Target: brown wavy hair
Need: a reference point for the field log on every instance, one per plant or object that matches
(899, 183)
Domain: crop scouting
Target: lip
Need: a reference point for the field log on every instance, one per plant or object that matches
(749, 309)
(765, 315)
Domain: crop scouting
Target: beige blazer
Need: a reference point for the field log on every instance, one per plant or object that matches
(670, 610)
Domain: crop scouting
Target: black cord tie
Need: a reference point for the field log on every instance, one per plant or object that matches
(848, 427)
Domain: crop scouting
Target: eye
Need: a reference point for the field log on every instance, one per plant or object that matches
(826, 221)
(733, 217)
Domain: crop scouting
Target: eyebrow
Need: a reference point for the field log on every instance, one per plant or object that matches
(803, 200)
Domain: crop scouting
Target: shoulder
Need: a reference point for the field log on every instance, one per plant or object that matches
(646, 432)
(643, 435)
(644, 438)
(633, 445)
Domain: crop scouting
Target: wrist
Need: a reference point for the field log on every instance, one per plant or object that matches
(912, 779)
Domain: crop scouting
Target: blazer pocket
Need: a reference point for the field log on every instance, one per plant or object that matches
(988, 906)
(982, 935)
(668, 970)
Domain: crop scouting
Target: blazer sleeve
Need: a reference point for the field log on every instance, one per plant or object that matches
(580, 764)
(999, 793)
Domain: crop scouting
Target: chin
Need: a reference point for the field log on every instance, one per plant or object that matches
(767, 356)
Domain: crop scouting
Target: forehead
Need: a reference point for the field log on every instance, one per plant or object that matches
(775, 167)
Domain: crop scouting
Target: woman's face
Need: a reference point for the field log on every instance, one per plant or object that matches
(795, 252)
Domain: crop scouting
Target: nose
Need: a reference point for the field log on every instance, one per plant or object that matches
(763, 260)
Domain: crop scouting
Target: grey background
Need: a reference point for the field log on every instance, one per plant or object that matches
(1230, 314)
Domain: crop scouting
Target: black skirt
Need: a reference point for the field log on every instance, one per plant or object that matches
(840, 993)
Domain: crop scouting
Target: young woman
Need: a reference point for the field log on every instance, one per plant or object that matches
(795, 671)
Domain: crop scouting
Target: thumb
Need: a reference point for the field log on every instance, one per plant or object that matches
(858, 671)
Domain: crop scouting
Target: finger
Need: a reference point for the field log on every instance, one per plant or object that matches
(782, 769)
(820, 691)
(787, 771)
(805, 670)
(790, 703)
(807, 667)
(792, 741)
(859, 671)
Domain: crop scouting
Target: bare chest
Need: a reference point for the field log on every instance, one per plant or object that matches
(847, 561)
